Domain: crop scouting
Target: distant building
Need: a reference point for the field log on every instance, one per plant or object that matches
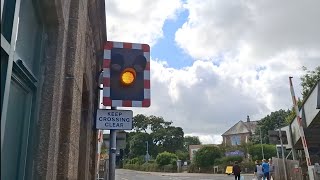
(193, 149)
(238, 133)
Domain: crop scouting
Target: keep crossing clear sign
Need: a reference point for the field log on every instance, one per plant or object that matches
(114, 119)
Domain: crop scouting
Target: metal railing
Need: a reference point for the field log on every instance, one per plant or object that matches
(103, 170)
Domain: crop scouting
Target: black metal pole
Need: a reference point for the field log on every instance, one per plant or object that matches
(282, 152)
(112, 152)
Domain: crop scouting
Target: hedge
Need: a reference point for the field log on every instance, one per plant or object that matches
(151, 167)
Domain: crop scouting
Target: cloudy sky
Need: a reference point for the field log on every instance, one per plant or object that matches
(216, 61)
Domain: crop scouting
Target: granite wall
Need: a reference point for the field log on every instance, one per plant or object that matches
(73, 53)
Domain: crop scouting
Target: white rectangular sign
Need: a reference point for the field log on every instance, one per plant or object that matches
(114, 119)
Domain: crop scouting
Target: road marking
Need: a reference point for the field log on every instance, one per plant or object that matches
(124, 179)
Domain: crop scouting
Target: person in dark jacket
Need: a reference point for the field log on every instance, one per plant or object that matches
(236, 170)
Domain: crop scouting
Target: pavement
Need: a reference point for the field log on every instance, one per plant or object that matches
(124, 174)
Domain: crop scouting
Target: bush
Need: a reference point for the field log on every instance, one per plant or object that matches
(169, 168)
(137, 167)
(151, 161)
(183, 156)
(132, 166)
(150, 167)
(136, 160)
(269, 151)
(247, 167)
(206, 156)
(166, 158)
(192, 168)
(228, 160)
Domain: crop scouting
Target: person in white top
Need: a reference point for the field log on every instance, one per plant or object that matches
(258, 172)
(271, 169)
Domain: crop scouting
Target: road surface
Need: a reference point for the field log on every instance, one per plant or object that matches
(122, 174)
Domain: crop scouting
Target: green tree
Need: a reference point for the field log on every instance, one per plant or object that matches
(292, 113)
(140, 123)
(191, 140)
(174, 139)
(309, 80)
(158, 123)
(182, 155)
(206, 156)
(160, 134)
(166, 158)
(104, 151)
(137, 144)
(270, 122)
(168, 139)
(104, 148)
(256, 151)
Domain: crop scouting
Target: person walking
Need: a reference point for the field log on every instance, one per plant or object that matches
(258, 173)
(236, 170)
(271, 169)
(265, 169)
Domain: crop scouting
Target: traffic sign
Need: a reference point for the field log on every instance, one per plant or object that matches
(126, 74)
(114, 119)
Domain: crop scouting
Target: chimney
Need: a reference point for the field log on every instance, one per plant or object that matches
(248, 118)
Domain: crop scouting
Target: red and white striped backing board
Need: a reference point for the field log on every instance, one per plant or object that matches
(107, 101)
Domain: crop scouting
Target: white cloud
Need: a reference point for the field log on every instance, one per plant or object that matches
(198, 99)
(268, 27)
(213, 27)
(244, 52)
(139, 21)
(261, 43)
(207, 138)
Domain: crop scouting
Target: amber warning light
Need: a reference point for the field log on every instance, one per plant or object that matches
(128, 76)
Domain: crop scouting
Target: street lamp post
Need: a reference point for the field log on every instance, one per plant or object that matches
(282, 151)
(261, 144)
(147, 155)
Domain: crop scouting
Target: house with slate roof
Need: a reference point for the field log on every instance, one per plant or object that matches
(239, 133)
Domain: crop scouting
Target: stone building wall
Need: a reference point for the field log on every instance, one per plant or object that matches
(75, 34)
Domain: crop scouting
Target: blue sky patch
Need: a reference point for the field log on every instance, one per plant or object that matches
(167, 49)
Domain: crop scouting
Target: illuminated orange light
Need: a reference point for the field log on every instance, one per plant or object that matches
(128, 76)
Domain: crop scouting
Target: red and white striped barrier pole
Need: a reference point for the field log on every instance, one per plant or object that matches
(301, 131)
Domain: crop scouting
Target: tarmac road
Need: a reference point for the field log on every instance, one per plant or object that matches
(123, 174)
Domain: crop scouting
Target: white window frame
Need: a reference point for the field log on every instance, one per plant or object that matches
(10, 50)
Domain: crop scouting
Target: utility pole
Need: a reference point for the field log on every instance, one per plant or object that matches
(261, 144)
(112, 152)
(282, 151)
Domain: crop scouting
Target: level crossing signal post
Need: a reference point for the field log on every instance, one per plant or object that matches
(126, 83)
(301, 131)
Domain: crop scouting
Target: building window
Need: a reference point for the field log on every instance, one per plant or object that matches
(20, 59)
(7, 18)
(28, 44)
(235, 140)
(16, 134)
(193, 153)
(4, 66)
